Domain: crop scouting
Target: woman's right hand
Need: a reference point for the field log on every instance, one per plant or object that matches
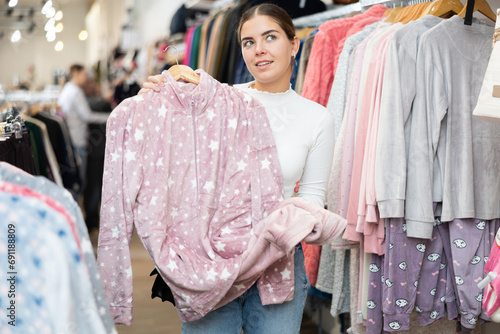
(155, 82)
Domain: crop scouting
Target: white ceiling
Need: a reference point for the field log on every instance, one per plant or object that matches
(27, 14)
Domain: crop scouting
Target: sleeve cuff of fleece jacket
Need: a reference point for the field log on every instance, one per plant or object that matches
(391, 208)
(122, 315)
(419, 229)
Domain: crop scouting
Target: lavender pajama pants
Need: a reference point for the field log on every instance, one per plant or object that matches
(375, 320)
(471, 241)
(403, 260)
(431, 293)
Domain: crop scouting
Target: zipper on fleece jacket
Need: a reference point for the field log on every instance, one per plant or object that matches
(195, 139)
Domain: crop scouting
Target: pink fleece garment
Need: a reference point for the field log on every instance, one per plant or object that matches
(493, 265)
(369, 221)
(195, 170)
(320, 69)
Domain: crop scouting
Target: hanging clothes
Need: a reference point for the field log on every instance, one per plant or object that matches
(39, 217)
(441, 115)
(237, 191)
(317, 83)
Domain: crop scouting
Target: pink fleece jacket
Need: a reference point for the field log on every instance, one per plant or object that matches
(323, 59)
(195, 170)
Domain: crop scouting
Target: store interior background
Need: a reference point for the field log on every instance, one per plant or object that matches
(34, 59)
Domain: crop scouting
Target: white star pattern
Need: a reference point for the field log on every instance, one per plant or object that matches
(113, 284)
(114, 156)
(211, 274)
(214, 145)
(139, 134)
(242, 165)
(116, 232)
(225, 274)
(220, 246)
(162, 111)
(174, 212)
(239, 286)
(193, 182)
(210, 114)
(130, 156)
(138, 98)
(159, 162)
(232, 123)
(153, 200)
(225, 230)
(285, 274)
(209, 185)
(129, 272)
(170, 182)
(265, 163)
(172, 265)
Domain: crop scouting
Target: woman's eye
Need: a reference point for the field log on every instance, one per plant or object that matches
(270, 37)
(247, 43)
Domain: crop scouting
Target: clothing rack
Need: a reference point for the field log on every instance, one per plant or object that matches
(337, 11)
(12, 124)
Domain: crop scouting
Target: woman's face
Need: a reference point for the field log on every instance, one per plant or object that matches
(268, 52)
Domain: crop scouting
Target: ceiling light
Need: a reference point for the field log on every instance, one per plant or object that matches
(59, 46)
(16, 36)
(12, 3)
(50, 25)
(50, 36)
(48, 10)
(83, 35)
(59, 27)
(58, 16)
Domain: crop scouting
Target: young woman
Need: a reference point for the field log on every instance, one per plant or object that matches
(304, 134)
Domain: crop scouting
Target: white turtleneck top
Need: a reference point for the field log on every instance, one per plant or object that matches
(304, 133)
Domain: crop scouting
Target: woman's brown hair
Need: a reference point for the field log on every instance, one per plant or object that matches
(278, 14)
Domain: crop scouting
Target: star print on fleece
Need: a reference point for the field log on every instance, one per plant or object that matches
(198, 186)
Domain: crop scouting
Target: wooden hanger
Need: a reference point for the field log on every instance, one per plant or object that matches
(182, 72)
(393, 14)
(416, 13)
(446, 8)
(480, 6)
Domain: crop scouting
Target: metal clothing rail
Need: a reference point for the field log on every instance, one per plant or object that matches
(341, 10)
(336, 11)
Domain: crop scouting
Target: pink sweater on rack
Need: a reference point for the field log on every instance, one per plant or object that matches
(323, 59)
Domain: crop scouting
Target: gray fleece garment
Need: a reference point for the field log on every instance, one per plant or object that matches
(451, 64)
(395, 116)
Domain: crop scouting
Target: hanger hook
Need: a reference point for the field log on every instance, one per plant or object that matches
(176, 58)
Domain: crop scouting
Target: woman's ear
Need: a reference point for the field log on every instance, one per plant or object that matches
(295, 45)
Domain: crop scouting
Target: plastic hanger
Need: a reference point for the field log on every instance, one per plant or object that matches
(480, 6)
(446, 8)
(182, 72)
